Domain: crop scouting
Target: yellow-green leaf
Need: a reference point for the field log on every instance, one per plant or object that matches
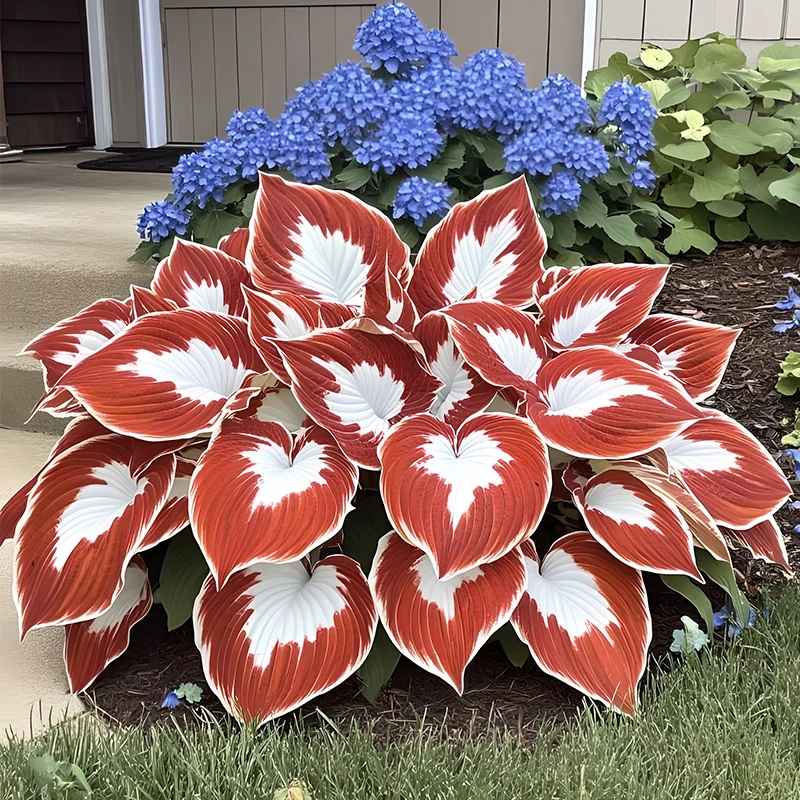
(656, 58)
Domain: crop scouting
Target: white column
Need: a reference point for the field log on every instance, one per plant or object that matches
(155, 102)
(98, 71)
(589, 36)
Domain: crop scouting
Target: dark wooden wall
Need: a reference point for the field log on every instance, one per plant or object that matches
(46, 86)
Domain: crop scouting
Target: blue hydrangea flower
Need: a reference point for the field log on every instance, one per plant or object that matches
(792, 301)
(533, 152)
(171, 701)
(493, 94)
(420, 199)
(246, 123)
(784, 327)
(343, 102)
(160, 219)
(206, 174)
(300, 150)
(440, 45)
(256, 151)
(392, 37)
(643, 176)
(407, 138)
(585, 155)
(434, 88)
(725, 617)
(561, 193)
(558, 105)
(631, 109)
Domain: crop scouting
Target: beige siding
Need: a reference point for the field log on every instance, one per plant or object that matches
(624, 24)
(714, 15)
(226, 54)
(793, 20)
(762, 19)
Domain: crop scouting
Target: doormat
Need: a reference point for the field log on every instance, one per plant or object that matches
(154, 159)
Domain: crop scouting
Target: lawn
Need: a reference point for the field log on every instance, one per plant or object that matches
(722, 725)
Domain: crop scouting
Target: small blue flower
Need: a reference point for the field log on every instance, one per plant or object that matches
(421, 199)
(161, 219)
(643, 176)
(794, 454)
(725, 617)
(792, 301)
(631, 109)
(392, 37)
(561, 193)
(783, 327)
(171, 701)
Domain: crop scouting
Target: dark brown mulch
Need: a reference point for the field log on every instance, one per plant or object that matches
(736, 286)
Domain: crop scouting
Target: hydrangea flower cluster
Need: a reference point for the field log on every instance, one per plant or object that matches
(631, 109)
(397, 112)
(394, 38)
(561, 193)
(244, 124)
(494, 95)
(160, 219)
(421, 199)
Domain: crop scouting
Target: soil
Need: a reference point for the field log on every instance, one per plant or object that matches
(736, 286)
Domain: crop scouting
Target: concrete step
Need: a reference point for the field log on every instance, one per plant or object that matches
(21, 385)
(65, 236)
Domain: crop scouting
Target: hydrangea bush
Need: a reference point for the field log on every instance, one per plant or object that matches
(411, 134)
(375, 458)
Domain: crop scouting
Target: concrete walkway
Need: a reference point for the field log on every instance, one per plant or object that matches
(32, 673)
(65, 236)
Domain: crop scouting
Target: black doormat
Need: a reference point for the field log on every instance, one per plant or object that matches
(154, 159)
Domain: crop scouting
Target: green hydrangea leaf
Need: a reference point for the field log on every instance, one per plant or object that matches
(779, 224)
(787, 188)
(714, 58)
(731, 230)
(678, 195)
(717, 181)
(353, 176)
(725, 208)
(735, 137)
(737, 99)
(687, 151)
(683, 240)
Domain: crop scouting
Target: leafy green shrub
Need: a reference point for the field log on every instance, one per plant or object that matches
(727, 142)
(789, 379)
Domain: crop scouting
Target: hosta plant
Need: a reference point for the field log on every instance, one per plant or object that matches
(259, 391)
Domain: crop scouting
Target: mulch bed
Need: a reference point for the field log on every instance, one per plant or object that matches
(736, 286)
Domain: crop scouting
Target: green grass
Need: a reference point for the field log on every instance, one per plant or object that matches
(724, 726)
